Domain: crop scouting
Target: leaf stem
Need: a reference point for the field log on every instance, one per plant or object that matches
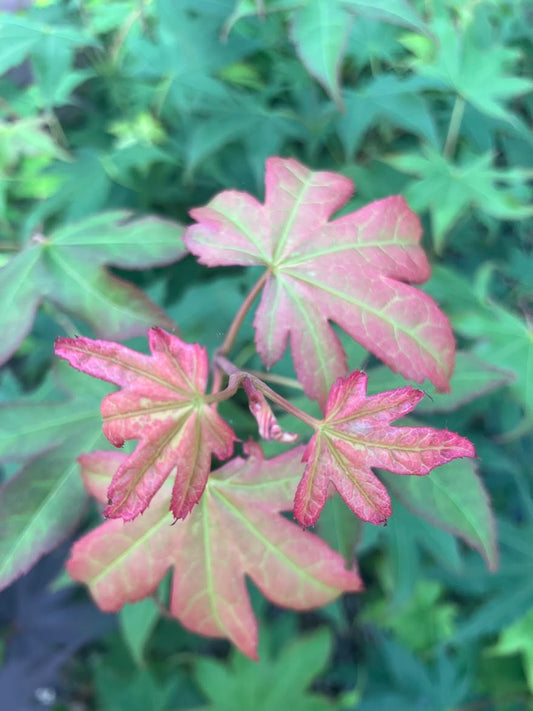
(233, 330)
(278, 379)
(453, 129)
(236, 376)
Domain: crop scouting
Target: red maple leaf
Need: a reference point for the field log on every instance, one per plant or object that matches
(235, 530)
(350, 270)
(162, 405)
(356, 435)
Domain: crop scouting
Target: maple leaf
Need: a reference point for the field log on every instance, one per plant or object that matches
(235, 530)
(451, 55)
(354, 436)
(161, 404)
(448, 189)
(67, 268)
(350, 270)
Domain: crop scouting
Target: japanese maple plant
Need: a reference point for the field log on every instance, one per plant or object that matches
(167, 505)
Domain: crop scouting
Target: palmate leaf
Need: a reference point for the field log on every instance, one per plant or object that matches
(319, 29)
(235, 530)
(356, 435)
(240, 683)
(454, 60)
(400, 102)
(447, 189)
(349, 270)
(505, 340)
(68, 269)
(43, 503)
(161, 404)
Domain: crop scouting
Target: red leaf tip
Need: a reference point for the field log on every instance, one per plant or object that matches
(357, 436)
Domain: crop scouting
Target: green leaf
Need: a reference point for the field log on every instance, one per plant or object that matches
(319, 31)
(20, 296)
(51, 47)
(448, 189)
(245, 684)
(398, 101)
(340, 528)
(137, 622)
(16, 41)
(505, 341)
(43, 503)
(408, 538)
(249, 8)
(188, 51)
(518, 639)
(472, 378)
(204, 312)
(26, 137)
(397, 12)
(39, 507)
(83, 188)
(455, 61)
(138, 693)
(67, 268)
(453, 498)
(500, 610)
(422, 622)
(28, 429)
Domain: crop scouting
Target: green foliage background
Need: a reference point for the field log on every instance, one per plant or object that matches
(154, 106)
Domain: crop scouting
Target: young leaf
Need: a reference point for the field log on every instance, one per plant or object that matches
(235, 530)
(68, 268)
(161, 404)
(266, 420)
(354, 436)
(350, 271)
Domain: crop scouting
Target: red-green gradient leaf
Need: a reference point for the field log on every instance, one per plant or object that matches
(356, 435)
(236, 530)
(350, 270)
(161, 405)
